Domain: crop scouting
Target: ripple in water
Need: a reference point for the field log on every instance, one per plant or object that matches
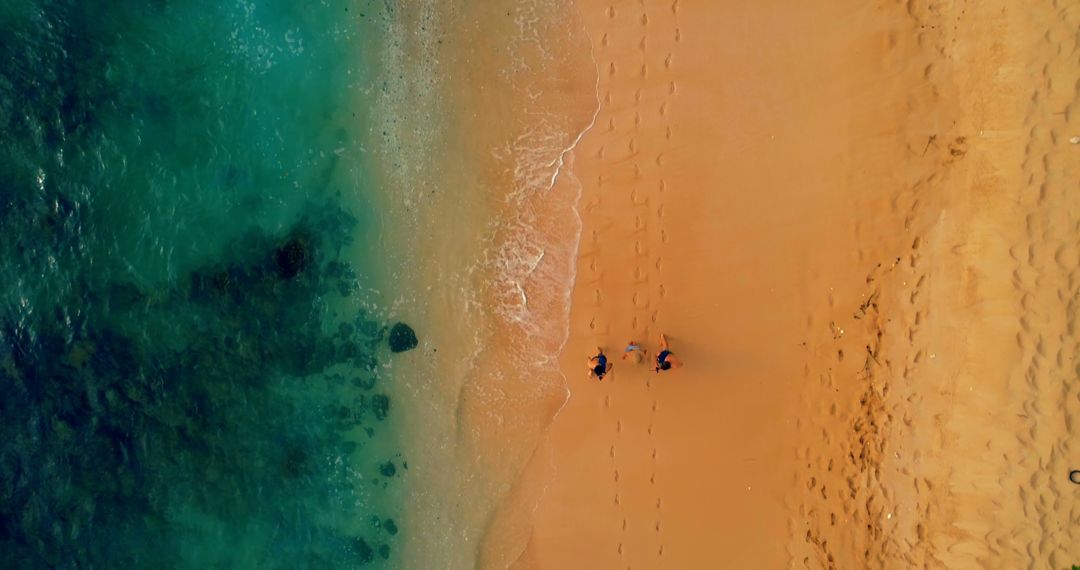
(187, 381)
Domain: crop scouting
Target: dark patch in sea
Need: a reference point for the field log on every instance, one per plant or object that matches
(402, 338)
(172, 388)
(121, 404)
(387, 469)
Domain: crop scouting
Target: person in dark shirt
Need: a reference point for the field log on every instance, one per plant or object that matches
(666, 360)
(599, 365)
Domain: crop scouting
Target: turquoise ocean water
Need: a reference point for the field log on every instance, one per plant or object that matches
(189, 378)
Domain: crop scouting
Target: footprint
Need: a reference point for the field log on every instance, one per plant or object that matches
(663, 291)
(611, 452)
(667, 62)
(611, 11)
(611, 68)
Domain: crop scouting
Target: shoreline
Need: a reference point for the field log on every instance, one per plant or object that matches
(468, 198)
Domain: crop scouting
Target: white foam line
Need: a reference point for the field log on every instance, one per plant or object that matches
(573, 264)
(558, 163)
(559, 160)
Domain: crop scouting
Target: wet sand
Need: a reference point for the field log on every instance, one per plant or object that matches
(858, 224)
(490, 96)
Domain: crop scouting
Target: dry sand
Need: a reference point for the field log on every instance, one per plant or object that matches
(858, 224)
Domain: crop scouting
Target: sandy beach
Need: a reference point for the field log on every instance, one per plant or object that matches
(323, 284)
(858, 226)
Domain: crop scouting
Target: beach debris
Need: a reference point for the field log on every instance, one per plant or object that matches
(402, 338)
(1074, 140)
(929, 141)
(837, 331)
(871, 302)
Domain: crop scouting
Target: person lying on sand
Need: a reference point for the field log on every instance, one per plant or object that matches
(599, 365)
(633, 348)
(666, 360)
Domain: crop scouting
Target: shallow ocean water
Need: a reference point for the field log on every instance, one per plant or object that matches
(191, 360)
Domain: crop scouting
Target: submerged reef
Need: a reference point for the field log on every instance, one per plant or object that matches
(402, 338)
(140, 422)
(186, 382)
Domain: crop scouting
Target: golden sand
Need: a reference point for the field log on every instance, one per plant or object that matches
(858, 223)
